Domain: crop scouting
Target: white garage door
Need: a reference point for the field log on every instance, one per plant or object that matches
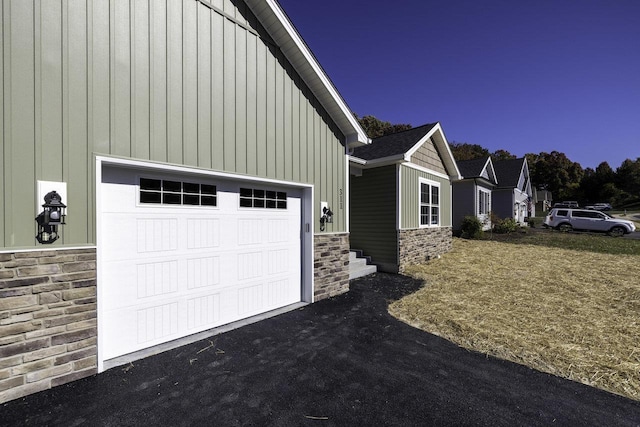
(182, 254)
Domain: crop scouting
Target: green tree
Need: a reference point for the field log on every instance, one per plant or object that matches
(628, 177)
(502, 155)
(375, 127)
(466, 151)
(556, 173)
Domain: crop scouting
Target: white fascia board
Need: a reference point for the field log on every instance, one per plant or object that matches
(491, 170)
(444, 145)
(357, 160)
(398, 197)
(188, 170)
(346, 194)
(422, 140)
(432, 172)
(399, 160)
(375, 163)
(282, 30)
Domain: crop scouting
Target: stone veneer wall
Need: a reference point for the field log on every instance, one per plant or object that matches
(47, 319)
(419, 245)
(330, 265)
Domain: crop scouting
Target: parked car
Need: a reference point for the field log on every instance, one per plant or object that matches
(566, 205)
(585, 219)
(599, 207)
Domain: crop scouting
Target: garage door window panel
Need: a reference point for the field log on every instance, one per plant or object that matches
(257, 198)
(168, 192)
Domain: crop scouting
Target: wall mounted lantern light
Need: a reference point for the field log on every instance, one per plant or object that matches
(50, 218)
(326, 217)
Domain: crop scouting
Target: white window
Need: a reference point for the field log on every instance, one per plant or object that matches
(429, 203)
(484, 202)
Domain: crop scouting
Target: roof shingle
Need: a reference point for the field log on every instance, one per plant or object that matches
(392, 144)
(472, 168)
(508, 172)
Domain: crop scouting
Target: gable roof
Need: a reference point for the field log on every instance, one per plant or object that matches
(392, 144)
(478, 168)
(284, 34)
(400, 146)
(508, 172)
(472, 168)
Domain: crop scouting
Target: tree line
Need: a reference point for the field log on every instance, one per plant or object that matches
(553, 171)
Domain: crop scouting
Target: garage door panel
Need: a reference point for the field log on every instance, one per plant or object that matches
(203, 232)
(203, 272)
(168, 271)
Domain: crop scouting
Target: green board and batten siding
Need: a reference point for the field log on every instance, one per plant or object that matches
(175, 81)
(373, 214)
(410, 197)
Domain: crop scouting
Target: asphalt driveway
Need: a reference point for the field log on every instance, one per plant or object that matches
(342, 361)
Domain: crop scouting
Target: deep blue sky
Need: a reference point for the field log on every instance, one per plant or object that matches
(524, 76)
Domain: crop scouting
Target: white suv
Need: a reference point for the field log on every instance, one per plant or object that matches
(565, 219)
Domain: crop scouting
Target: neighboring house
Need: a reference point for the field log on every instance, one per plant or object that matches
(513, 197)
(543, 199)
(472, 193)
(194, 144)
(401, 197)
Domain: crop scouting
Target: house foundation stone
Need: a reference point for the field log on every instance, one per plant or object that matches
(330, 265)
(419, 245)
(47, 319)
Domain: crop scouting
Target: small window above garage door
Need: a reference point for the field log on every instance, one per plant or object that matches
(171, 192)
(258, 198)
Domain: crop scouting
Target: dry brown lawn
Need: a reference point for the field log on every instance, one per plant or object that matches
(570, 313)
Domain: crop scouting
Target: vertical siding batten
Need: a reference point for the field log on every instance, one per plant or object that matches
(279, 116)
(20, 146)
(190, 83)
(49, 106)
(241, 100)
(217, 91)
(252, 104)
(174, 136)
(158, 33)
(295, 129)
(3, 99)
(270, 77)
(204, 86)
(99, 100)
(76, 148)
(229, 95)
(140, 74)
(262, 106)
(121, 80)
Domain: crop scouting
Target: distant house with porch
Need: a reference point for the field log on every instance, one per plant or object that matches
(513, 196)
(472, 194)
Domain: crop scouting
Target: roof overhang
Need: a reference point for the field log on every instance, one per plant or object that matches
(440, 142)
(282, 31)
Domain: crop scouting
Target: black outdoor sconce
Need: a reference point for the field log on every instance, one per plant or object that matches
(326, 218)
(50, 218)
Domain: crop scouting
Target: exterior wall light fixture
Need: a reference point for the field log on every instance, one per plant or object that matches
(50, 218)
(326, 216)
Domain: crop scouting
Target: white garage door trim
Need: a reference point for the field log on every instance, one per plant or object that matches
(306, 248)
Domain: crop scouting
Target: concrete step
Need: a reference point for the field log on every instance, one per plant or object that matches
(360, 265)
(362, 271)
(357, 254)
